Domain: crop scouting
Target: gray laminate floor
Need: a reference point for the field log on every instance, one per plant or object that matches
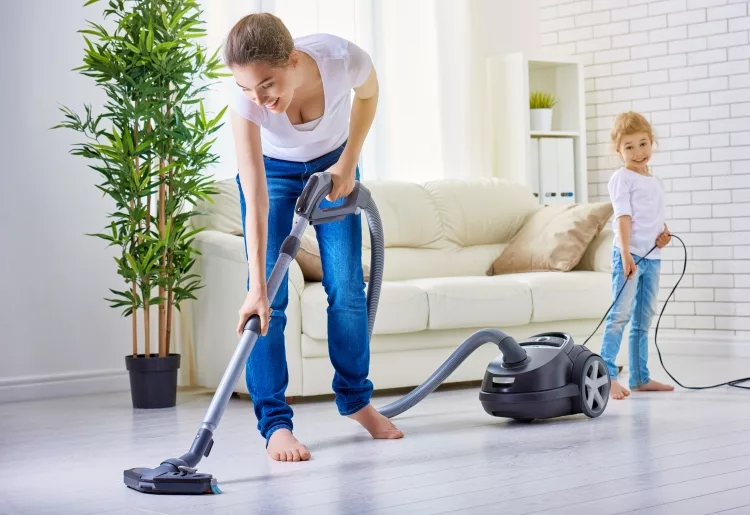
(681, 453)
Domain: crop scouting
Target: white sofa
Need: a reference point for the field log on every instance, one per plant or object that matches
(441, 238)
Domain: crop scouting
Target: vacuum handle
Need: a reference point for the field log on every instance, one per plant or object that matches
(317, 188)
(253, 324)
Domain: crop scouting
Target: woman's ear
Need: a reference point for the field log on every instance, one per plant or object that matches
(294, 58)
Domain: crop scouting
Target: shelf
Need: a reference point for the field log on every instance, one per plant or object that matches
(555, 134)
(516, 149)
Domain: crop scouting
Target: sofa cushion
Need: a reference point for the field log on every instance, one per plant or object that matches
(481, 211)
(402, 308)
(404, 263)
(573, 295)
(476, 301)
(408, 214)
(553, 238)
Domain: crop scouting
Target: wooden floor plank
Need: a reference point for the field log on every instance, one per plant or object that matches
(725, 502)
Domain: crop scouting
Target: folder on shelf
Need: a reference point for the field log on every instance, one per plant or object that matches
(556, 170)
(534, 167)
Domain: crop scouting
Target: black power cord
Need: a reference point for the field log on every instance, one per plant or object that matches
(735, 383)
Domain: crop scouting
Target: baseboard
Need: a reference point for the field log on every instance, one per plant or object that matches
(694, 345)
(63, 385)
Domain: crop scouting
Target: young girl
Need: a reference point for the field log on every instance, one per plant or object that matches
(638, 201)
(293, 115)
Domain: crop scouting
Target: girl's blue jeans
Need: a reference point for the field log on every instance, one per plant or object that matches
(340, 244)
(637, 304)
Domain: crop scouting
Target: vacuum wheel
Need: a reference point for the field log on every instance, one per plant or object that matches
(594, 386)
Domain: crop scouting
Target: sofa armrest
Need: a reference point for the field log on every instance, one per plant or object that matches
(231, 247)
(598, 255)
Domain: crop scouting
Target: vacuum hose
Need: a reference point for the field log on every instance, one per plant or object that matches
(512, 353)
(377, 259)
(511, 350)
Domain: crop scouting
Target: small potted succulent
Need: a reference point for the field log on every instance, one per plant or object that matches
(541, 104)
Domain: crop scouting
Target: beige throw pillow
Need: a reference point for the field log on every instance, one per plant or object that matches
(553, 238)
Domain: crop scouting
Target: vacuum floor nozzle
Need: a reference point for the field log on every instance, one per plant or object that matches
(164, 481)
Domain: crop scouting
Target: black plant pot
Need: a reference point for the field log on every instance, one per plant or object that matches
(153, 380)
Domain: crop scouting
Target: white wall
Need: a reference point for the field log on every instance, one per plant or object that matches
(685, 64)
(510, 26)
(55, 325)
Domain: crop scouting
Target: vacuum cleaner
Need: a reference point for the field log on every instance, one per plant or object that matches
(544, 376)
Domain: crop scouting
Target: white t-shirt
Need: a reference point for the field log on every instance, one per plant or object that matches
(343, 66)
(641, 197)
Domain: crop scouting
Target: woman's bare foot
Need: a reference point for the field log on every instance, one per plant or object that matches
(283, 446)
(377, 425)
(654, 386)
(617, 391)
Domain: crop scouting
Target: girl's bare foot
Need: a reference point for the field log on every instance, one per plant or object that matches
(654, 386)
(617, 391)
(376, 424)
(283, 446)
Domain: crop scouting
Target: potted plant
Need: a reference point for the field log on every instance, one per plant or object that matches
(541, 104)
(151, 145)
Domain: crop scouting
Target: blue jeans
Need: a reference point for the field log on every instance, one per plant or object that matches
(636, 304)
(340, 244)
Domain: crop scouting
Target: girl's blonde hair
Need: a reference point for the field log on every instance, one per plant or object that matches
(629, 123)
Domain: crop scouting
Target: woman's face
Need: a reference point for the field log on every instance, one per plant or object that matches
(266, 85)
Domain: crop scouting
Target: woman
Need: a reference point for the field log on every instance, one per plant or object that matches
(292, 116)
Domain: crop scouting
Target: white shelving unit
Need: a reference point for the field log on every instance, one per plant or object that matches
(510, 80)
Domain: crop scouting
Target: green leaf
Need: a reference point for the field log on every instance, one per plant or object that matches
(132, 262)
(132, 47)
(177, 17)
(150, 37)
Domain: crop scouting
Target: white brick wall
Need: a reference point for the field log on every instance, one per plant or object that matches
(685, 65)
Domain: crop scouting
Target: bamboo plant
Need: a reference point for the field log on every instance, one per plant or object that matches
(151, 145)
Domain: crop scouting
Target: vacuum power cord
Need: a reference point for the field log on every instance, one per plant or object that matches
(735, 382)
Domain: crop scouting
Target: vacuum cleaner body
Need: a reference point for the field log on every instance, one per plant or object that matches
(556, 379)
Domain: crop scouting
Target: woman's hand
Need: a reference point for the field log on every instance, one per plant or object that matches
(255, 304)
(343, 175)
(664, 238)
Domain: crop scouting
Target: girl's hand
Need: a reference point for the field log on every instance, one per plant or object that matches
(664, 238)
(343, 176)
(628, 265)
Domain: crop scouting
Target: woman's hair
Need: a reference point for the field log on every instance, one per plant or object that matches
(258, 37)
(629, 123)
